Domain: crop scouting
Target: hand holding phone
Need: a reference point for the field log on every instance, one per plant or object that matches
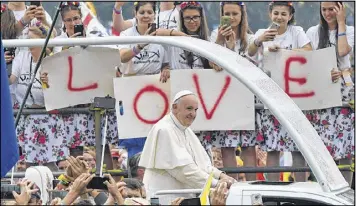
(152, 27)
(274, 25)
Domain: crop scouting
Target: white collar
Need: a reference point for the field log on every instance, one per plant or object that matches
(177, 123)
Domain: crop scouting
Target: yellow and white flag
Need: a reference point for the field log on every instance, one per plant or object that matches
(204, 196)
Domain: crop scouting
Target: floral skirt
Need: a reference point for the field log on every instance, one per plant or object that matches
(273, 136)
(42, 138)
(80, 129)
(231, 138)
(337, 130)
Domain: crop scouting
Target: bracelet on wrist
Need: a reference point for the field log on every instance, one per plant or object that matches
(135, 51)
(170, 33)
(23, 22)
(117, 11)
(257, 43)
(342, 34)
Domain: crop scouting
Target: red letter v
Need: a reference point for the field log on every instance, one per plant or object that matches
(70, 80)
(210, 114)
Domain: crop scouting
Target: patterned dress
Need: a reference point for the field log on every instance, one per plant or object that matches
(336, 127)
(42, 137)
(232, 138)
(80, 129)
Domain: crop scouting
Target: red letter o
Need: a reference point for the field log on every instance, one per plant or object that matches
(150, 88)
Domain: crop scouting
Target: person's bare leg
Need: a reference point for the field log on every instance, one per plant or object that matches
(229, 159)
(299, 161)
(248, 156)
(347, 174)
(273, 161)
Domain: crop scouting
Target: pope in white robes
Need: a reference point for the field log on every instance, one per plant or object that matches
(173, 155)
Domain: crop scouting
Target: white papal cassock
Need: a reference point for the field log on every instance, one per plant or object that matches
(174, 159)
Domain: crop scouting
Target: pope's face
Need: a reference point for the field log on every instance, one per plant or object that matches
(186, 109)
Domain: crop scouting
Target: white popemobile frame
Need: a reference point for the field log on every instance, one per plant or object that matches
(286, 111)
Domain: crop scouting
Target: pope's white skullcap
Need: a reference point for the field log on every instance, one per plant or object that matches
(182, 94)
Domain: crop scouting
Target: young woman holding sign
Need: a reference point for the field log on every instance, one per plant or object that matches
(42, 137)
(80, 128)
(281, 35)
(234, 35)
(336, 125)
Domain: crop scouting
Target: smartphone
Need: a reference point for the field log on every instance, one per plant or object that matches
(55, 183)
(79, 28)
(35, 3)
(191, 201)
(98, 183)
(153, 27)
(76, 151)
(274, 26)
(11, 51)
(225, 21)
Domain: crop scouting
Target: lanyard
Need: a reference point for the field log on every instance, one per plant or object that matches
(31, 95)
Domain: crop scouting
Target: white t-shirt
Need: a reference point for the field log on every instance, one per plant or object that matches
(171, 16)
(313, 35)
(148, 61)
(59, 48)
(178, 59)
(168, 18)
(23, 69)
(250, 39)
(293, 38)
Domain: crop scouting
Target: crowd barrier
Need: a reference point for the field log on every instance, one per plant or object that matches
(87, 110)
(227, 170)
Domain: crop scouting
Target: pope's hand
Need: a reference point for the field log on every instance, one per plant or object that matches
(225, 178)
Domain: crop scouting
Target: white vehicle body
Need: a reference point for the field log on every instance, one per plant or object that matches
(303, 193)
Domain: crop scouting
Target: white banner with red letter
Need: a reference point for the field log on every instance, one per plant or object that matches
(141, 101)
(78, 75)
(305, 76)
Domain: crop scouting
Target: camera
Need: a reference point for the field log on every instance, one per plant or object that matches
(104, 102)
(6, 191)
